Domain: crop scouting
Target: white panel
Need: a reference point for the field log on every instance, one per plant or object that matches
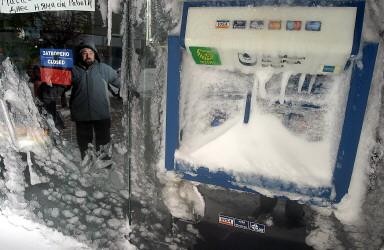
(27, 6)
(291, 48)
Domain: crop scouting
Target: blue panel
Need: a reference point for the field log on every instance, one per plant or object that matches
(172, 109)
(56, 58)
(353, 121)
(359, 4)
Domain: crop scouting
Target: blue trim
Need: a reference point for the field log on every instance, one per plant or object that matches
(359, 4)
(227, 180)
(353, 121)
(358, 27)
(172, 108)
(184, 23)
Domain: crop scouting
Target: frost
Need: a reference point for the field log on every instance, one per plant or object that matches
(192, 205)
(94, 219)
(80, 193)
(55, 212)
(73, 220)
(120, 148)
(125, 193)
(98, 195)
(67, 213)
(117, 179)
(105, 213)
(97, 211)
(114, 223)
(79, 200)
(325, 236)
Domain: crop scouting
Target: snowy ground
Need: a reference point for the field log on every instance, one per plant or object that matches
(16, 232)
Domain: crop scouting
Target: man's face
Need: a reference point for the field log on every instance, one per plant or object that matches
(88, 56)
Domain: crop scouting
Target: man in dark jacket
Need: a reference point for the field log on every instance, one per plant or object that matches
(89, 103)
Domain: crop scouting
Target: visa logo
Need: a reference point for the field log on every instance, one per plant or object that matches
(223, 24)
(226, 220)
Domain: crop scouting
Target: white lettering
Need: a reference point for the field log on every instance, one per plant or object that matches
(56, 53)
(56, 62)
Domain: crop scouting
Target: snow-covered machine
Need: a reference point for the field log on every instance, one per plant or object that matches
(268, 97)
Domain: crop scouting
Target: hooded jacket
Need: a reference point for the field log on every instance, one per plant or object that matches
(89, 98)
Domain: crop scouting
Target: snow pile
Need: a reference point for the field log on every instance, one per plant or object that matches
(183, 199)
(17, 232)
(22, 129)
(289, 114)
(325, 235)
(20, 120)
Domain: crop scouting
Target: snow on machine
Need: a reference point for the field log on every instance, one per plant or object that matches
(267, 98)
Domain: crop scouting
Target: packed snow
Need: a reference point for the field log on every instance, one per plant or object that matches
(17, 232)
(285, 138)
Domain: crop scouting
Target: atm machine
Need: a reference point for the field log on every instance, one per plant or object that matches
(267, 98)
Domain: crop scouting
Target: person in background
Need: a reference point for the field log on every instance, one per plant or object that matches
(47, 94)
(89, 102)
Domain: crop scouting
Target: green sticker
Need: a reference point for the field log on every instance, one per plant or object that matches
(205, 55)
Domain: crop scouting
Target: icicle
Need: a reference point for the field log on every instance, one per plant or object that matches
(254, 94)
(148, 37)
(34, 177)
(284, 83)
(313, 79)
(251, 98)
(262, 77)
(109, 9)
(103, 11)
(255, 88)
(8, 123)
(301, 82)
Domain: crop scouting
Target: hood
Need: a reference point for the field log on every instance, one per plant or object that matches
(89, 45)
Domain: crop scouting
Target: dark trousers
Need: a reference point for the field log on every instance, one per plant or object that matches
(48, 95)
(84, 133)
